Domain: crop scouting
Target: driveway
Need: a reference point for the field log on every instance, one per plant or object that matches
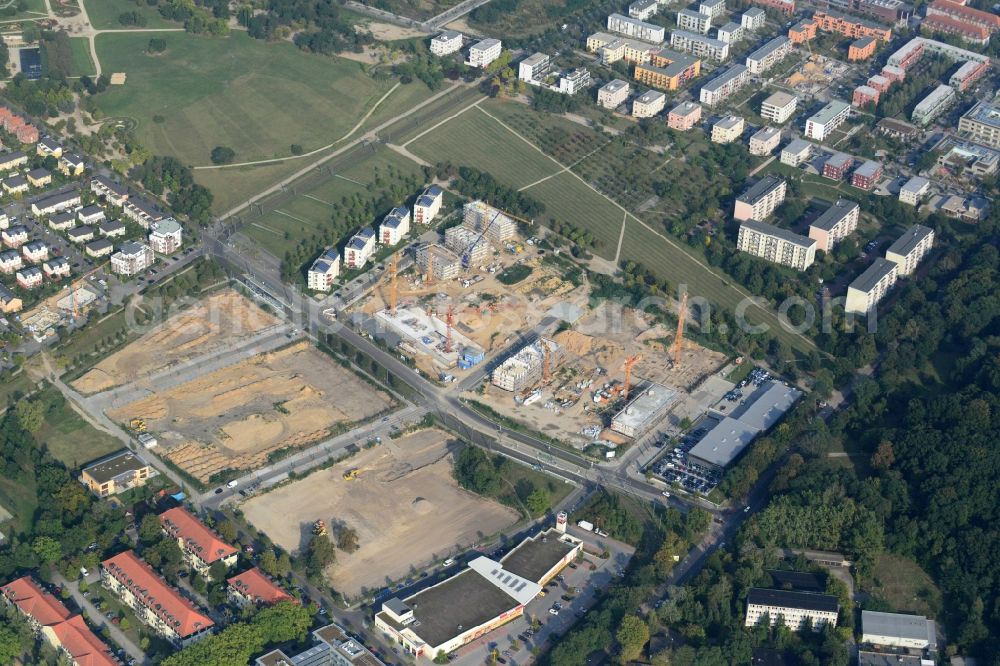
(97, 619)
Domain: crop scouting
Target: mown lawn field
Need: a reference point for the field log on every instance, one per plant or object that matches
(474, 139)
(104, 15)
(255, 97)
(83, 65)
(570, 201)
(69, 438)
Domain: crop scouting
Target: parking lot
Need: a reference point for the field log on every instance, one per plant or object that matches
(567, 598)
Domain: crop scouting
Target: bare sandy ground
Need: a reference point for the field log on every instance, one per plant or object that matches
(405, 505)
(236, 416)
(219, 321)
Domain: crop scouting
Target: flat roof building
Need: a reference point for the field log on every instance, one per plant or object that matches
(332, 647)
(724, 85)
(796, 152)
(764, 141)
(722, 444)
(115, 474)
(827, 119)
(684, 116)
(668, 70)
(693, 21)
(643, 411)
(769, 55)
(933, 105)
(981, 124)
(761, 199)
(631, 27)
(795, 608)
(867, 175)
(753, 18)
(779, 107)
(438, 262)
(613, 94)
(864, 293)
(909, 249)
(534, 67)
(914, 190)
(648, 104)
(699, 45)
(482, 53)
(449, 41)
(524, 368)
(643, 9)
(835, 224)
(913, 632)
(728, 129)
(777, 245)
(730, 33)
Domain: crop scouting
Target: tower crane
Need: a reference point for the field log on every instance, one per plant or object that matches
(449, 321)
(393, 283)
(629, 362)
(679, 337)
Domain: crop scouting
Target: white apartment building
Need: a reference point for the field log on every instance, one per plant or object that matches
(777, 245)
(643, 9)
(648, 104)
(166, 236)
(764, 141)
(724, 85)
(482, 53)
(131, 258)
(394, 226)
(613, 94)
(753, 18)
(428, 205)
(359, 248)
(712, 8)
(631, 27)
(480, 216)
(909, 249)
(699, 45)
(835, 224)
(694, 21)
(869, 287)
(728, 129)
(827, 119)
(796, 152)
(574, 82)
(795, 608)
(933, 105)
(761, 199)
(914, 190)
(730, 33)
(779, 107)
(324, 270)
(534, 67)
(448, 42)
(769, 55)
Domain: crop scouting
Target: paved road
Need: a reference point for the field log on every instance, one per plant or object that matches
(449, 15)
(97, 619)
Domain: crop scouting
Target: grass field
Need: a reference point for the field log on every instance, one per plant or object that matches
(82, 63)
(283, 228)
(35, 10)
(18, 384)
(905, 586)
(104, 15)
(569, 200)
(255, 97)
(68, 437)
(475, 139)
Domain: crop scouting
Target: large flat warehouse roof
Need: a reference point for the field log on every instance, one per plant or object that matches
(533, 558)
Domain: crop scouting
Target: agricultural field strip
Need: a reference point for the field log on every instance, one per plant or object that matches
(563, 170)
(774, 322)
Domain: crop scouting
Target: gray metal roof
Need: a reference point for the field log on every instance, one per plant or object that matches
(723, 442)
(909, 627)
(766, 405)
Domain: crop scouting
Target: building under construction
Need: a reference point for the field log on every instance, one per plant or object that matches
(480, 216)
(468, 243)
(438, 262)
(644, 411)
(525, 368)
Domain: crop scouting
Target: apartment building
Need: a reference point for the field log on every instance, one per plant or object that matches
(867, 175)
(395, 226)
(643, 9)
(684, 116)
(795, 608)
(864, 293)
(712, 8)
(71, 165)
(253, 588)
(630, 27)
(55, 268)
(724, 85)
(760, 199)
(613, 48)
(56, 203)
(534, 67)
(851, 26)
(699, 45)
(728, 129)
(961, 12)
(967, 74)
(200, 545)
(730, 33)
(863, 96)
(648, 104)
(29, 278)
(764, 141)
(769, 55)
(914, 190)
(803, 31)
(115, 474)
(48, 147)
(440, 263)
(428, 205)
(668, 70)
(835, 224)
(827, 119)
(693, 21)
(35, 251)
(359, 248)
(131, 258)
(837, 166)
(613, 94)
(482, 53)
(332, 646)
(155, 603)
(933, 105)
(573, 82)
(908, 250)
(861, 48)
(166, 236)
(492, 222)
(446, 43)
(981, 124)
(753, 19)
(141, 211)
(15, 236)
(779, 107)
(777, 245)
(946, 25)
(784, 6)
(879, 82)
(324, 271)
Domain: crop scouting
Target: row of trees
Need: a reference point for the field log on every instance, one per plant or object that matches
(170, 175)
(319, 26)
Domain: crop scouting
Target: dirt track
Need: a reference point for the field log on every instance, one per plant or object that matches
(405, 505)
(219, 321)
(235, 417)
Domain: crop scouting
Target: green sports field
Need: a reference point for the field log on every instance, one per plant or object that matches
(256, 97)
(82, 64)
